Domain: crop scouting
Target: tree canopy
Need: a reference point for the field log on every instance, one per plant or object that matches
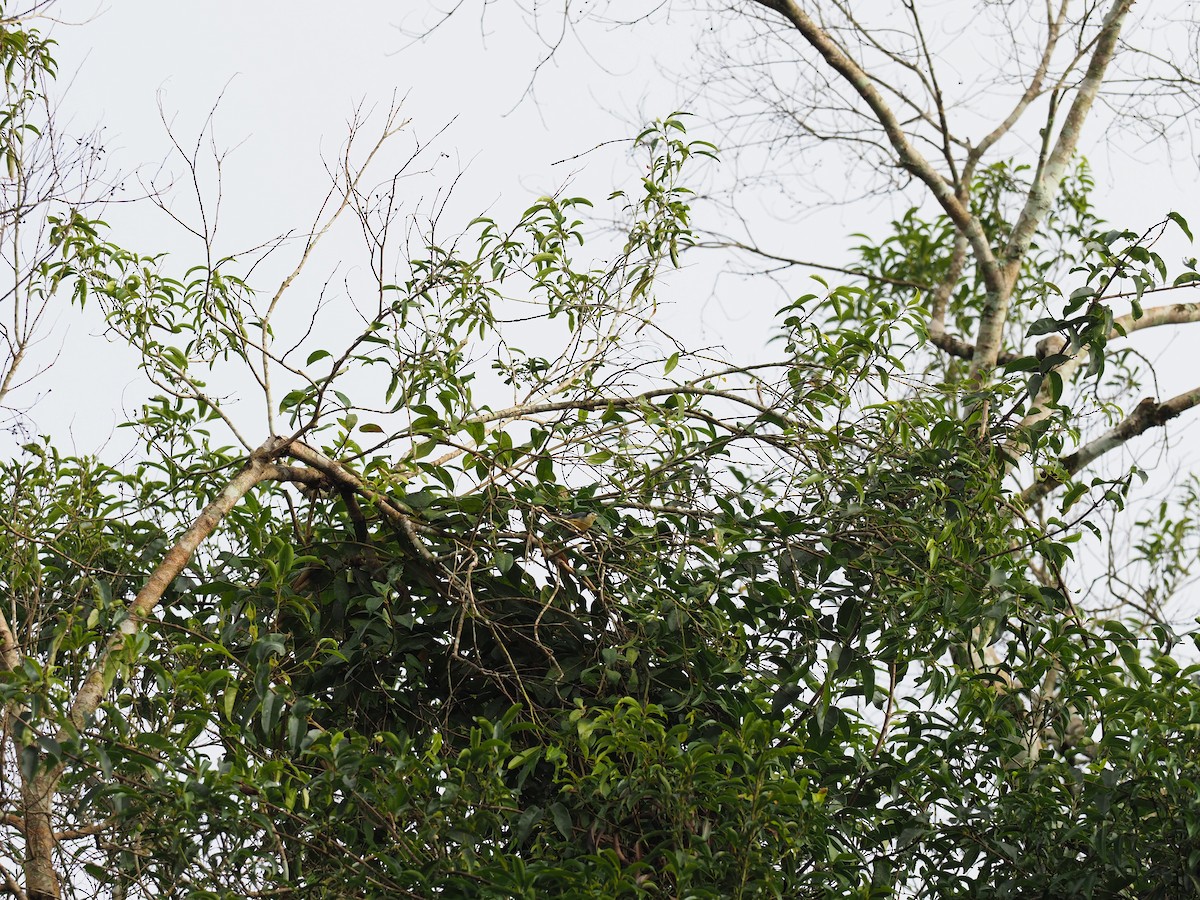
(472, 580)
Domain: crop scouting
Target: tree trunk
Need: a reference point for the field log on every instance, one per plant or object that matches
(37, 797)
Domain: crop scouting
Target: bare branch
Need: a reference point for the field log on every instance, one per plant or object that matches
(909, 157)
(995, 311)
(1032, 92)
(1146, 415)
(787, 261)
(102, 673)
(392, 126)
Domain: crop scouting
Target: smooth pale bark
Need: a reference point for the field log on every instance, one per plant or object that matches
(999, 275)
(37, 798)
(38, 792)
(994, 316)
(10, 654)
(99, 679)
(1146, 415)
(1154, 317)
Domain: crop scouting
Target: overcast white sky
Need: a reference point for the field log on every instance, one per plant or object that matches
(289, 74)
(288, 77)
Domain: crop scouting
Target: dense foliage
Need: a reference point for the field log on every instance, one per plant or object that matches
(808, 639)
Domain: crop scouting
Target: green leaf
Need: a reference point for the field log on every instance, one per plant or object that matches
(1043, 326)
(29, 762)
(272, 706)
(1182, 223)
(562, 820)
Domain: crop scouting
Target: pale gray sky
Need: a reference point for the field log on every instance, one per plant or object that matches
(285, 79)
(289, 74)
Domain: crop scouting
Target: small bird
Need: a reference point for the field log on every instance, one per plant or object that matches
(580, 519)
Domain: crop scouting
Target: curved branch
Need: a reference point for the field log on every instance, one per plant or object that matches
(1146, 415)
(343, 478)
(1123, 326)
(940, 298)
(100, 677)
(1169, 314)
(909, 157)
